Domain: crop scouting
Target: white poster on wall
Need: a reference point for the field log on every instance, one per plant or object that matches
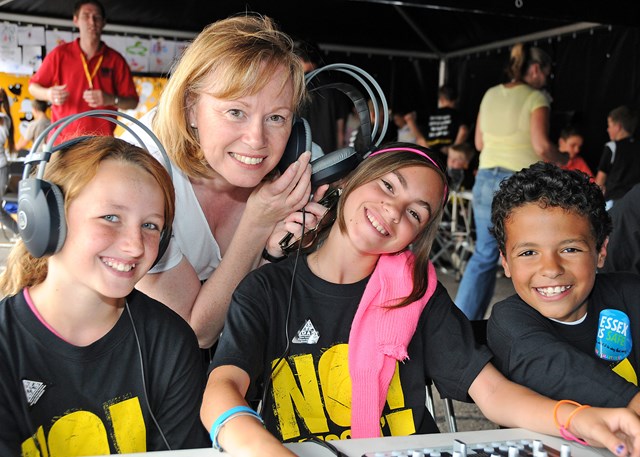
(116, 42)
(180, 47)
(137, 53)
(31, 35)
(8, 35)
(55, 37)
(161, 54)
(11, 61)
(32, 57)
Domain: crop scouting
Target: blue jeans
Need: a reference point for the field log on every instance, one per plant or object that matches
(479, 277)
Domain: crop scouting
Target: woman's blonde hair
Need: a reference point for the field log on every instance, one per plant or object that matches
(71, 170)
(244, 52)
(377, 166)
(522, 57)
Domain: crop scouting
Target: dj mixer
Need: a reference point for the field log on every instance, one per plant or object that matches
(509, 448)
(514, 442)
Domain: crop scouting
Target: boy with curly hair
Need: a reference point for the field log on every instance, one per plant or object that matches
(568, 332)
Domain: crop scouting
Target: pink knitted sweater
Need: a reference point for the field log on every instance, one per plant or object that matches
(379, 337)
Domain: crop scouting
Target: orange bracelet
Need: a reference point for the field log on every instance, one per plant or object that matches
(573, 413)
(564, 429)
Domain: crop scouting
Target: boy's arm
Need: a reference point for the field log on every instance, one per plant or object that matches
(601, 179)
(605, 165)
(463, 134)
(242, 435)
(21, 143)
(512, 405)
(410, 119)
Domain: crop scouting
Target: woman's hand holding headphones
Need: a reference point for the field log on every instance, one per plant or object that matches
(272, 201)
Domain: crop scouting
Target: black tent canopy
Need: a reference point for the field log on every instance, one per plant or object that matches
(418, 28)
(412, 46)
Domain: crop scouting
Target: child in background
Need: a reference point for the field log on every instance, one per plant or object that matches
(619, 168)
(405, 131)
(446, 125)
(38, 125)
(91, 366)
(571, 141)
(460, 160)
(320, 337)
(569, 332)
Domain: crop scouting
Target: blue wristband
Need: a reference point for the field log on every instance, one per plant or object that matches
(224, 417)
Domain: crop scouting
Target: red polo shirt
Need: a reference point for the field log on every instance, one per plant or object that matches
(64, 65)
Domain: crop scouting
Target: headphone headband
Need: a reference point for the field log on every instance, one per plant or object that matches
(37, 157)
(356, 73)
(334, 165)
(41, 212)
(423, 154)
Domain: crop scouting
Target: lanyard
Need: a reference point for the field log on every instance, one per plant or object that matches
(91, 75)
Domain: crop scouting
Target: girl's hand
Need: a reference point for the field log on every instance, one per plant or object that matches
(292, 225)
(617, 429)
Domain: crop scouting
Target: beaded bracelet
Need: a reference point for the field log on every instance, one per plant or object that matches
(227, 416)
(564, 429)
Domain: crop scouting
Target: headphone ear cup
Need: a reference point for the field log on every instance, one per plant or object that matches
(333, 166)
(41, 218)
(299, 139)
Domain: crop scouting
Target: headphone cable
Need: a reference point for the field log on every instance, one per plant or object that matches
(267, 384)
(144, 384)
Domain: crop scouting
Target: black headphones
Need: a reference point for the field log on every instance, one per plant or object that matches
(41, 216)
(335, 165)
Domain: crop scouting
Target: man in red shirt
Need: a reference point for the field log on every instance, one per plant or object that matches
(84, 75)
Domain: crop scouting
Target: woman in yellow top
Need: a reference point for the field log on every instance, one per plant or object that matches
(511, 134)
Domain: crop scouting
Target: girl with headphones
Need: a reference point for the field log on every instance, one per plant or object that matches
(322, 337)
(89, 364)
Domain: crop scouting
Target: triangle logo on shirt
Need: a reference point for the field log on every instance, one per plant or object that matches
(33, 390)
(307, 334)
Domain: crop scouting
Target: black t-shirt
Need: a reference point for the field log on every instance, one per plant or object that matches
(442, 127)
(559, 360)
(92, 398)
(623, 250)
(310, 392)
(620, 160)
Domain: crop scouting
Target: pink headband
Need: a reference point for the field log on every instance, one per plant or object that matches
(419, 152)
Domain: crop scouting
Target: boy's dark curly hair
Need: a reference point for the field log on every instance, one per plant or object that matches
(549, 186)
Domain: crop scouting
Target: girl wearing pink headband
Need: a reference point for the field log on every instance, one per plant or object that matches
(319, 337)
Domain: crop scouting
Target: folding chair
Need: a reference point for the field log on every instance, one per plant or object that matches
(8, 225)
(480, 334)
(454, 241)
(449, 413)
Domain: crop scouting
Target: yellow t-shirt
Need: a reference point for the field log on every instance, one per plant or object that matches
(505, 119)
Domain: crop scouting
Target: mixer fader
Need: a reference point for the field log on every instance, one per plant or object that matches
(510, 448)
